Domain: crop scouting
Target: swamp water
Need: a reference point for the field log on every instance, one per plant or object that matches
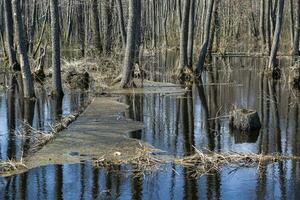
(177, 125)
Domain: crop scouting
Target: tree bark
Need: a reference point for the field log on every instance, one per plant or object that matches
(184, 36)
(273, 63)
(262, 24)
(190, 45)
(128, 63)
(24, 61)
(55, 36)
(296, 51)
(9, 26)
(203, 50)
(121, 21)
(96, 27)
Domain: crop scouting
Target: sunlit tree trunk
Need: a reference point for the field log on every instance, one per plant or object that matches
(128, 63)
(184, 36)
(273, 63)
(203, 50)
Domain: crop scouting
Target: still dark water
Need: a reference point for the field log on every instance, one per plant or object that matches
(177, 124)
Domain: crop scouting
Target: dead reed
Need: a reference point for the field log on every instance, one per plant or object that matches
(10, 165)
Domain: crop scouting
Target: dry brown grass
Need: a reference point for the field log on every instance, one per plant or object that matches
(143, 160)
(204, 163)
(200, 163)
(10, 165)
(102, 70)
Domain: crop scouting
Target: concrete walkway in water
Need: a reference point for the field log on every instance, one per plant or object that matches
(100, 132)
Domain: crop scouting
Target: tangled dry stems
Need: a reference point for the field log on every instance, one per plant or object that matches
(199, 164)
(10, 165)
(144, 160)
(102, 70)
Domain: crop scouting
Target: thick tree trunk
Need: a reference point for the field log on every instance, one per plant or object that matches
(128, 63)
(55, 36)
(296, 51)
(24, 61)
(214, 26)
(9, 26)
(203, 50)
(273, 63)
(190, 45)
(184, 36)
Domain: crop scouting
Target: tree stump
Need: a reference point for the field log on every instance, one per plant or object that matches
(245, 120)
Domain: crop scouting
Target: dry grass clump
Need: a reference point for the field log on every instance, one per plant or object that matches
(10, 165)
(144, 160)
(102, 70)
(203, 163)
(199, 164)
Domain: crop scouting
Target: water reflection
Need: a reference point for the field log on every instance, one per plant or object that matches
(198, 119)
(83, 181)
(18, 115)
(177, 124)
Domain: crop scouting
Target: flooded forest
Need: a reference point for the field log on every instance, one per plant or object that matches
(149, 99)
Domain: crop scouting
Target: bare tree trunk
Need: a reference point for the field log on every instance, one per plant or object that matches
(81, 32)
(190, 45)
(215, 25)
(128, 63)
(296, 51)
(292, 22)
(121, 21)
(138, 32)
(32, 27)
(184, 37)
(96, 28)
(262, 24)
(9, 26)
(203, 50)
(55, 36)
(273, 63)
(24, 61)
(269, 31)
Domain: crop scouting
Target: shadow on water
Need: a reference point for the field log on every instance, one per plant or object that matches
(177, 125)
